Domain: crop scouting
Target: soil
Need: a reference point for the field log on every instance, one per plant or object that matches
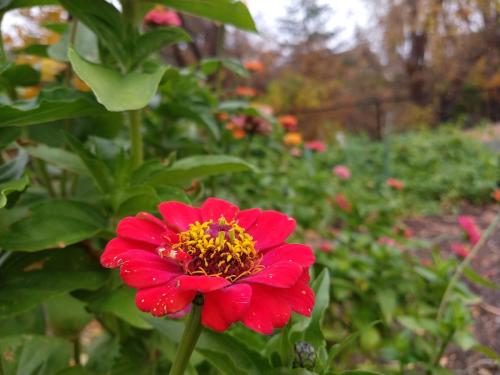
(487, 263)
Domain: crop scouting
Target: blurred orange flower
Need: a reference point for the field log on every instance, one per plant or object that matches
(395, 184)
(28, 92)
(292, 139)
(289, 122)
(496, 195)
(246, 91)
(254, 66)
(50, 69)
(80, 85)
(222, 116)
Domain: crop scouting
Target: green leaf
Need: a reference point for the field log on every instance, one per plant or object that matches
(386, 299)
(86, 45)
(225, 11)
(120, 302)
(30, 354)
(212, 345)
(95, 166)
(105, 21)
(321, 287)
(199, 114)
(22, 75)
(56, 103)
(210, 66)
(36, 50)
(29, 279)
(8, 135)
(478, 279)
(58, 157)
(16, 186)
(66, 315)
(117, 92)
(153, 41)
(488, 352)
(359, 372)
(185, 170)
(52, 224)
(135, 199)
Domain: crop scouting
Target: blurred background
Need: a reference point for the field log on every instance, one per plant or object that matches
(362, 65)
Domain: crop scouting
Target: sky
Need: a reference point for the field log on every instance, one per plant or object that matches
(348, 14)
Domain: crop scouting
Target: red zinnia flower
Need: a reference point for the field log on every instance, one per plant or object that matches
(289, 122)
(342, 172)
(160, 16)
(237, 260)
(246, 91)
(468, 224)
(396, 184)
(317, 146)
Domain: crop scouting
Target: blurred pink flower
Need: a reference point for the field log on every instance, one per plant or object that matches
(160, 16)
(342, 172)
(384, 240)
(343, 203)
(317, 146)
(460, 249)
(469, 226)
(325, 247)
(296, 152)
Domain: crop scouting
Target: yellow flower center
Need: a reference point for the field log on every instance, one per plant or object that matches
(218, 249)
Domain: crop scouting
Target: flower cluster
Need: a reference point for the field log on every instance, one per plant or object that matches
(160, 16)
(242, 125)
(237, 259)
(473, 233)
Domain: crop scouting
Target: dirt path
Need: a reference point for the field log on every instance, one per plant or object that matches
(487, 263)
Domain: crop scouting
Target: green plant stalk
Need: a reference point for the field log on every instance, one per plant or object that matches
(3, 55)
(189, 338)
(464, 264)
(43, 175)
(137, 146)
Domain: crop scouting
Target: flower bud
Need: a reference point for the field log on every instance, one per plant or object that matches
(305, 355)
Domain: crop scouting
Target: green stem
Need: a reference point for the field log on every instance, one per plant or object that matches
(43, 174)
(464, 264)
(137, 152)
(189, 338)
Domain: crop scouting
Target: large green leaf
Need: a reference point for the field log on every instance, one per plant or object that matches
(185, 170)
(28, 279)
(225, 11)
(59, 157)
(53, 104)
(15, 186)
(116, 91)
(120, 302)
(33, 355)
(8, 135)
(210, 66)
(105, 21)
(53, 224)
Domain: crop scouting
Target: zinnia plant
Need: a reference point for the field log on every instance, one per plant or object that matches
(222, 263)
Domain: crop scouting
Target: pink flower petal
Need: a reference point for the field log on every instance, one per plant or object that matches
(147, 274)
(297, 253)
(214, 209)
(202, 284)
(270, 229)
(178, 215)
(279, 275)
(268, 309)
(164, 299)
(247, 217)
(225, 306)
(301, 296)
(113, 254)
(136, 229)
